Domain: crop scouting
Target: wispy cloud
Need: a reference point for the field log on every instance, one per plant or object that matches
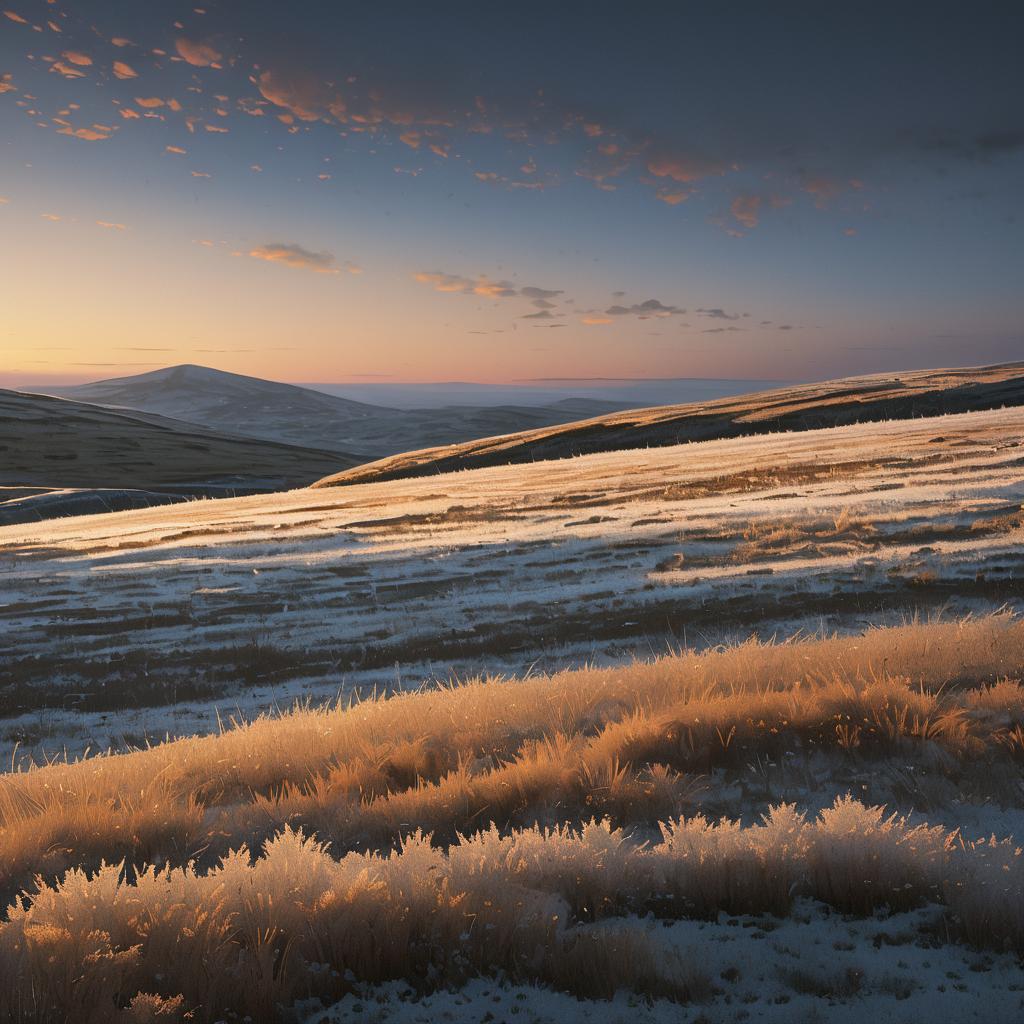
(716, 313)
(747, 210)
(97, 133)
(686, 168)
(292, 255)
(486, 287)
(648, 308)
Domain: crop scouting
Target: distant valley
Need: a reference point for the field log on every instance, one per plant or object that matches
(302, 416)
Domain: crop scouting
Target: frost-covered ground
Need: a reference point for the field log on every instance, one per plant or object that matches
(250, 602)
(812, 967)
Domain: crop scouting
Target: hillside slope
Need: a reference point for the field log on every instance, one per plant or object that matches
(59, 457)
(265, 598)
(802, 407)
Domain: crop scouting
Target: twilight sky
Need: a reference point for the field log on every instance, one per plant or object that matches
(502, 192)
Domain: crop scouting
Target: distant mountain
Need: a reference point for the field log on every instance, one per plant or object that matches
(59, 457)
(302, 416)
(801, 407)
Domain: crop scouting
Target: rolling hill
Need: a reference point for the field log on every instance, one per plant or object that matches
(59, 457)
(801, 407)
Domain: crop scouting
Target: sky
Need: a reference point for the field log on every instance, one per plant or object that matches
(508, 192)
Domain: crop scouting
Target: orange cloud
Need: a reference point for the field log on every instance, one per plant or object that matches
(198, 54)
(66, 70)
(149, 102)
(121, 42)
(302, 96)
(823, 189)
(747, 210)
(493, 289)
(444, 282)
(487, 288)
(15, 17)
(96, 133)
(81, 59)
(6, 82)
(685, 168)
(111, 225)
(672, 197)
(175, 149)
(484, 286)
(296, 256)
(122, 70)
(594, 321)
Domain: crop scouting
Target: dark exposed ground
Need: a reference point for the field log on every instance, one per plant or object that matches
(59, 457)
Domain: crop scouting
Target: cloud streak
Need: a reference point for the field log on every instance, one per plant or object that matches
(645, 310)
(487, 288)
(296, 256)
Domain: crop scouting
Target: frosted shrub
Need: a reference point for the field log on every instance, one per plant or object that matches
(250, 936)
(860, 859)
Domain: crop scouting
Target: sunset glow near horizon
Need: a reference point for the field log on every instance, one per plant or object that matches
(319, 192)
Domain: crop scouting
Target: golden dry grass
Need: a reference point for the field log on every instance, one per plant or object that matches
(490, 749)
(504, 776)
